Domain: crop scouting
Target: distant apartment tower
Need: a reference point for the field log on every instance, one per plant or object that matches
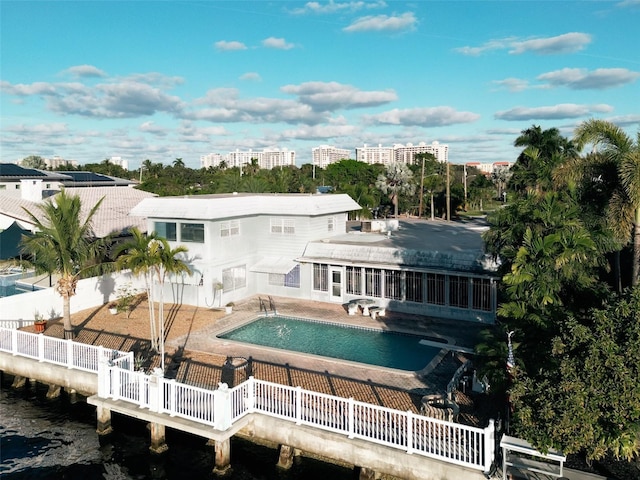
(379, 154)
(326, 154)
(58, 161)
(488, 168)
(120, 161)
(267, 158)
(213, 160)
(406, 153)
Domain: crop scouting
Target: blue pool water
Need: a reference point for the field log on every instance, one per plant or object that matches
(374, 347)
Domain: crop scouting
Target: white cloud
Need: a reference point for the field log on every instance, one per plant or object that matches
(335, 7)
(153, 129)
(323, 96)
(383, 23)
(226, 46)
(191, 133)
(565, 43)
(24, 90)
(425, 117)
(582, 79)
(278, 43)
(251, 77)
(513, 84)
(628, 3)
(85, 71)
(319, 132)
(554, 112)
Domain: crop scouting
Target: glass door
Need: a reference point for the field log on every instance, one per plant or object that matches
(335, 286)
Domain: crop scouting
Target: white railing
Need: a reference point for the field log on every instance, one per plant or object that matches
(61, 352)
(416, 434)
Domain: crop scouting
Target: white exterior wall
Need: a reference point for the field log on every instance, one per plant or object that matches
(379, 154)
(325, 155)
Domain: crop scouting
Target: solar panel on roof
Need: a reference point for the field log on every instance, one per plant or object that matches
(13, 170)
(87, 177)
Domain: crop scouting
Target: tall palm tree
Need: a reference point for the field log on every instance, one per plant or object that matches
(623, 213)
(153, 257)
(64, 244)
(396, 181)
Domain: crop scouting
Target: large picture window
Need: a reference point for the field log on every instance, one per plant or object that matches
(234, 278)
(413, 287)
(292, 279)
(320, 277)
(192, 232)
(354, 280)
(435, 288)
(166, 230)
(458, 291)
(373, 282)
(393, 284)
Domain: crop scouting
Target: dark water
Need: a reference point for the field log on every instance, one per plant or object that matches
(55, 439)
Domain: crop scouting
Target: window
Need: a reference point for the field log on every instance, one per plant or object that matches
(330, 224)
(393, 284)
(283, 226)
(292, 279)
(18, 186)
(3, 187)
(481, 288)
(320, 277)
(231, 228)
(276, 279)
(166, 230)
(234, 278)
(373, 282)
(435, 288)
(458, 291)
(413, 286)
(354, 280)
(192, 232)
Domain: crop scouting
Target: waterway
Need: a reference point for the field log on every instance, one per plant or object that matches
(43, 439)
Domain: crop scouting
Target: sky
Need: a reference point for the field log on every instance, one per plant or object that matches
(161, 80)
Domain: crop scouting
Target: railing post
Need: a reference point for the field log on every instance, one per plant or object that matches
(103, 378)
(115, 384)
(222, 407)
(489, 445)
(410, 449)
(250, 401)
(14, 342)
(156, 387)
(172, 397)
(298, 405)
(351, 426)
(41, 347)
(69, 353)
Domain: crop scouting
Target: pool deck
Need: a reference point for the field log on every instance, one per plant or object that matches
(393, 388)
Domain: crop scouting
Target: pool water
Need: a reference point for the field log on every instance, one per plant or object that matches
(373, 347)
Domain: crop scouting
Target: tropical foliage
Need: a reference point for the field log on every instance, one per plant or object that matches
(64, 245)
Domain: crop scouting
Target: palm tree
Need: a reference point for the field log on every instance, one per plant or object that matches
(64, 244)
(623, 212)
(396, 181)
(153, 257)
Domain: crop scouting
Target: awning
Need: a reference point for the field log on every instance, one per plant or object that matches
(280, 265)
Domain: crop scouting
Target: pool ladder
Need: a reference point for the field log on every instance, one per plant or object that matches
(271, 310)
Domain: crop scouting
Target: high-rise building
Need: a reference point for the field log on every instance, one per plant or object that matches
(212, 160)
(406, 153)
(267, 158)
(326, 154)
(379, 154)
(120, 161)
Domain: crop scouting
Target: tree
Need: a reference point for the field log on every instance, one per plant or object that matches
(623, 211)
(64, 244)
(396, 181)
(178, 163)
(34, 161)
(152, 257)
(591, 401)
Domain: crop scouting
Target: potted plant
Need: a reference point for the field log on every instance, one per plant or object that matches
(228, 307)
(113, 308)
(39, 322)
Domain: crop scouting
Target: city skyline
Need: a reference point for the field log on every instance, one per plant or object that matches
(163, 80)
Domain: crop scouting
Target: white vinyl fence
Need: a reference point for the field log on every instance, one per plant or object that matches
(447, 441)
(67, 353)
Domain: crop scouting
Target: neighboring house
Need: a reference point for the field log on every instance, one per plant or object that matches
(300, 246)
(26, 188)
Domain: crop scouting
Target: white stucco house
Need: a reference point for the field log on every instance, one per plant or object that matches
(302, 246)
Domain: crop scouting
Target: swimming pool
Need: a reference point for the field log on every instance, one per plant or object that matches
(374, 347)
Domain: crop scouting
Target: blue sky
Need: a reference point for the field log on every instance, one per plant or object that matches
(161, 80)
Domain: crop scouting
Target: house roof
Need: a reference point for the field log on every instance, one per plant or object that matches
(211, 207)
(10, 172)
(112, 216)
(417, 243)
